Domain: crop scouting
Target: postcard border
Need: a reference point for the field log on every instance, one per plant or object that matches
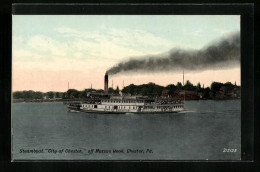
(247, 62)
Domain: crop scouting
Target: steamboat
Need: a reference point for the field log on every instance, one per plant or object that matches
(106, 103)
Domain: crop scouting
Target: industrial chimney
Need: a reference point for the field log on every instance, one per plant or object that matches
(106, 84)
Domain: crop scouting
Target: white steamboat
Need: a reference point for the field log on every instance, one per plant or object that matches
(106, 103)
(128, 104)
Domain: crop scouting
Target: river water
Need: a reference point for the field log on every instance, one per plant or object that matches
(47, 131)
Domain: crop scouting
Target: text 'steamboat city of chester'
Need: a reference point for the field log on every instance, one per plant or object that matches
(106, 103)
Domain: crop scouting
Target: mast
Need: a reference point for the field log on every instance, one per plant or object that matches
(183, 86)
(183, 78)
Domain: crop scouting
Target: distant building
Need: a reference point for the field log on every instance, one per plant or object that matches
(165, 93)
(221, 93)
(224, 93)
(237, 92)
(189, 95)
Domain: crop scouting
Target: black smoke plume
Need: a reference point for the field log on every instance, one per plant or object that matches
(221, 54)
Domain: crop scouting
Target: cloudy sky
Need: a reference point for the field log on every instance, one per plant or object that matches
(50, 51)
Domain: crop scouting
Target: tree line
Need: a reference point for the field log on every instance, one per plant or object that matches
(150, 89)
(37, 95)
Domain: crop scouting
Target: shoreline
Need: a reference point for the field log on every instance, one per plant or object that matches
(66, 100)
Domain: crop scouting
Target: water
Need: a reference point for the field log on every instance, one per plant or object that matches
(202, 133)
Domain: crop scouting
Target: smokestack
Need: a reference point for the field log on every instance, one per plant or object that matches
(106, 84)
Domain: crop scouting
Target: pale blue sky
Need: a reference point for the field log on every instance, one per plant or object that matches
(201, 29)
(96, 42)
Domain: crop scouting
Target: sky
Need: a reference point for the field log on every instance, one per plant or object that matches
(48, 51)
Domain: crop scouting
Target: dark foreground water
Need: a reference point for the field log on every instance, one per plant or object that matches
(47, 131)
